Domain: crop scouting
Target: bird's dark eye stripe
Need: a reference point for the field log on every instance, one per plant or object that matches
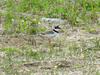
(57, 27)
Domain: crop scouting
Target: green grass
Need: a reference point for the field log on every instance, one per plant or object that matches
(81, 12)
(82, 50)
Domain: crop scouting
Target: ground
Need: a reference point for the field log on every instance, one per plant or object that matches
(75, 52)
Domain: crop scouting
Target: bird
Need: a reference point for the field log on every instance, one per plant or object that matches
(52, 34)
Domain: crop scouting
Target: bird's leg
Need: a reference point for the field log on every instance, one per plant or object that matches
(34, 43)
(50, 45)
(49, 41)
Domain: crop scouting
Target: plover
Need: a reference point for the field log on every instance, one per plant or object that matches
(54, 33)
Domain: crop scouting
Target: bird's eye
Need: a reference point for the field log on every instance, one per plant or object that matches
(57, 27)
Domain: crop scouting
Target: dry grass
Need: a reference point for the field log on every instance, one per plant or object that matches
(75, 52)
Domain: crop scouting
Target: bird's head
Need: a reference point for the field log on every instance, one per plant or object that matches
(57, 29)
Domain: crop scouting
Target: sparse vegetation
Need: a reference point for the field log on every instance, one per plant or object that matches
(23, 52)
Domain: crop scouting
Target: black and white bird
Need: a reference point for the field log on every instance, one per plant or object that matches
(54, 33)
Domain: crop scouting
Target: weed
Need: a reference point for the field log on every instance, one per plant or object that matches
(76, 12)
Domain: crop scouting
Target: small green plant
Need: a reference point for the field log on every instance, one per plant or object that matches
(9, 50)
(96, 41)
(34, 27)
(91, 29)
(35, 55)
(97, 72)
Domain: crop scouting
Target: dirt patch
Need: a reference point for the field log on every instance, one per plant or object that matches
(72, 53)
